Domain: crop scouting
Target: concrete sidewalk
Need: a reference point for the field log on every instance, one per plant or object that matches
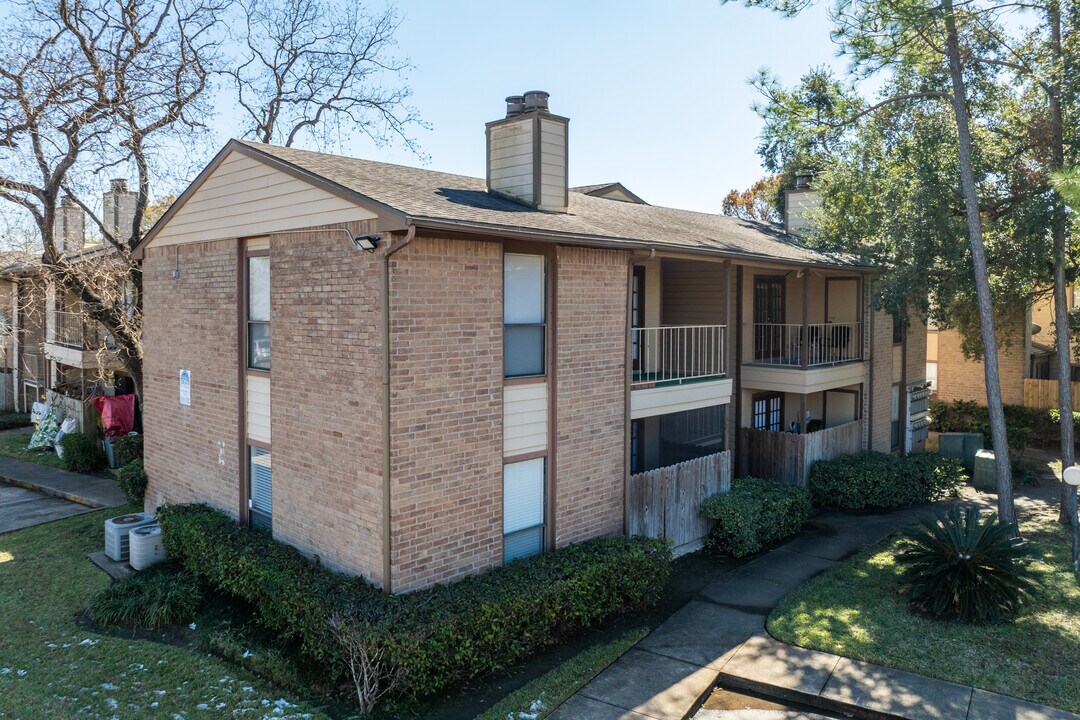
(93, 492)
(721, 635)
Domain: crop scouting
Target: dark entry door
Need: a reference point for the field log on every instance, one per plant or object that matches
(769, 303)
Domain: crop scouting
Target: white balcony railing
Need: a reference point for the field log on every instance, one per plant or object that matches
(677, 354)
(826, 343)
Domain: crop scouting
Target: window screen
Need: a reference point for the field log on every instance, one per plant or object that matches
(523, 509)
(260, 480)
(524, 315)
(258, 313)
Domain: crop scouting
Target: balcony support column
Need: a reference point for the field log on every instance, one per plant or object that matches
(804, 346)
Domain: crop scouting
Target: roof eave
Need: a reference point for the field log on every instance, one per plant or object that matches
(501, 231)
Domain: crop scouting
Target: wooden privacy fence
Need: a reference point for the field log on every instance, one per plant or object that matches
(1043, 394)
(666, 502)
(788, 456)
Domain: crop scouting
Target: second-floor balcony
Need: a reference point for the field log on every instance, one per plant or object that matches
(677, 355)
(74, 330)
(795, 345)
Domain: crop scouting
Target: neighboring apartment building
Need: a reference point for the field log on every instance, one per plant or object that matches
(418, 376)
(1026, 351)
(49, 342)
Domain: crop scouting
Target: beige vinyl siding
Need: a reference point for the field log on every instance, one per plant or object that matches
(258, 408)
(525, 419)
(693, 293)
(799, 205)
(553, 178)
(244, 196)
(510, 167)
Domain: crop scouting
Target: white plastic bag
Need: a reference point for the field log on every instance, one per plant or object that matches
(68, 426)
(36, 412)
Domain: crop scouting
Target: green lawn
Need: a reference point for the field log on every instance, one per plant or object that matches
(14, 445)
(52, 668)
(855, 611)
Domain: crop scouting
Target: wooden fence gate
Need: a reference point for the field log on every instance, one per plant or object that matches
(788, 456)
(666, 502)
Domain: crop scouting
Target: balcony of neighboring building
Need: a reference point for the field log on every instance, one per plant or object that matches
(678, 340)
(74, 339)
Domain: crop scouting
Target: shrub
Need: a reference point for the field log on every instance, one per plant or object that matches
(430, 638)
(81, 454)
(965, 567)
(155, 597)
(128, 448)
(881, 480)
(13, 420)
(132, 480)
(1035, 426)
(755, 513)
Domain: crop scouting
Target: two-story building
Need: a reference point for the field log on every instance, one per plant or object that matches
(418, 376)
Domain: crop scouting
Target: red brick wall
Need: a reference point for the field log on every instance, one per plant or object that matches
(591, 297)
(963, 379)
(446, 418)
(327, 398)
(190, 323)
(882, 363)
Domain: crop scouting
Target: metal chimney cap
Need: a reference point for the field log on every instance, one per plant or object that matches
(536, 100)
(515, 105)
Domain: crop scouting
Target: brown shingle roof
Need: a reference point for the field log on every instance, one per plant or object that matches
(461, 201)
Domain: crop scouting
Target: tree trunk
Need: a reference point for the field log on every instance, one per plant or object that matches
(1006, 508)
(1067, 506)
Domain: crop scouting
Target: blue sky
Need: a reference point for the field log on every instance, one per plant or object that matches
(656, 92)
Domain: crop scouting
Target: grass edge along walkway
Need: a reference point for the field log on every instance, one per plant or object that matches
(854, 610)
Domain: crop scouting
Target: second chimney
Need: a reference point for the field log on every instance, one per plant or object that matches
(118, 209)
(69, 228)
(527, 154)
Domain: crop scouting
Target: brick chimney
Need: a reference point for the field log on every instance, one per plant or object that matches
(69, 226)
(118, 209)
(527, 154)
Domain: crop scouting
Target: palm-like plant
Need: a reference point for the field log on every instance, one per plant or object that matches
(966, 566)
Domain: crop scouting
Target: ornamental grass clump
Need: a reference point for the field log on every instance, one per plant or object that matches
(967, 567)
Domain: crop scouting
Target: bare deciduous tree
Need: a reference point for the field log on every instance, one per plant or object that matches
(91, 87)
(321, 69)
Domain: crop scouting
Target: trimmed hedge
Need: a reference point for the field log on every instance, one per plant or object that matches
(437, 636)
(1023, 425)
(81, 454)
(880, 480)
(755, 513)
(128, 448)
(13, 420)
(132, 480)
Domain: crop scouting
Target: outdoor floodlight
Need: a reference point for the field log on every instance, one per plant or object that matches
(366, 242)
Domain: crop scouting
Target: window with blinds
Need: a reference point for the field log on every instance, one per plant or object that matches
(260, 488)
(524, 315)
(523, 509)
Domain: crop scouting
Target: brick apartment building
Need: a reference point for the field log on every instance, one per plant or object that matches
(1026, 351)
(418, 376)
